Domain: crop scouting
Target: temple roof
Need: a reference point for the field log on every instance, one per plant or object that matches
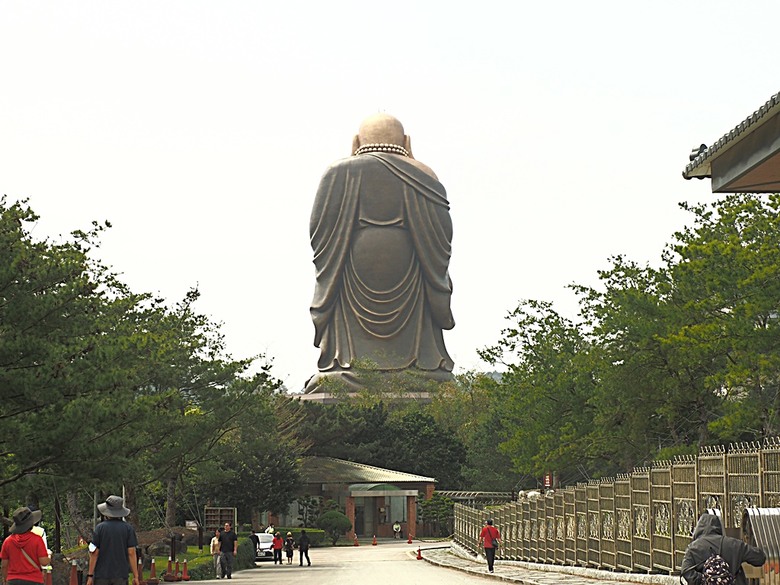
(330, 470)
(745, 159)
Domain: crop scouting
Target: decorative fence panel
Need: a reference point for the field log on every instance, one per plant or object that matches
(640, 521)
(684, 498)
(581, 511)
(570, 521)
(661, 506)
(770, 473)
(625, 525)
(712, 481)
(743, 464)
(559, 520)
(640, 499)
(607, 517)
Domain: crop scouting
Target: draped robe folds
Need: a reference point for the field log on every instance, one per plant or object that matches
(381, 235)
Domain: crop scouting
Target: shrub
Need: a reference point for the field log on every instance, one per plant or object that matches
(245, 559)
(335, 524)
(316, 537)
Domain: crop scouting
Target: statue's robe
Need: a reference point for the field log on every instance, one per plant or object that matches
(381, 234)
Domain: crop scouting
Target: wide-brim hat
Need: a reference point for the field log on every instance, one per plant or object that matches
(24, 519)
(113, 507)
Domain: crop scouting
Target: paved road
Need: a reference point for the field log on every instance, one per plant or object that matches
(394, 563)
(385, 564)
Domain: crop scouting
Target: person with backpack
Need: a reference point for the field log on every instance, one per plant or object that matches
(712, 558)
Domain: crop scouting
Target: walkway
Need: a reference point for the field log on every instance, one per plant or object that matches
(455, 557)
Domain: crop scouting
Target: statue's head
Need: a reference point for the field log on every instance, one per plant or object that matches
(381, 129)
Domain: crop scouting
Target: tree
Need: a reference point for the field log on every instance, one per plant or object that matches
(308, 506)
(335, 524)
(469, 408)
(439, 512)
(347, 430)
(651, 392)
(727, 277)
(415, 443)
(65, 376)
(542, 404)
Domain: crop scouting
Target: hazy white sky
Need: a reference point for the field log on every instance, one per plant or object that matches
(201, 130)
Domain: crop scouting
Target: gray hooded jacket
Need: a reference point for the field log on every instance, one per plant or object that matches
(708, 539)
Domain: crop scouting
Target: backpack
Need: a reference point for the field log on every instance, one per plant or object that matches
(716, 570)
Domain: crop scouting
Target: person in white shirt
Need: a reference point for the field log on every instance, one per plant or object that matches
(214, 549)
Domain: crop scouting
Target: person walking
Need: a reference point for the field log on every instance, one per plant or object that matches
(214, 549)
(270, 529)
(41, 531)
(708, 540)
(289, 546)
(490, 539)
(396, 529)
(278, 545)
(303, 547)
(228, 547)
(112, 553)
(23, 553)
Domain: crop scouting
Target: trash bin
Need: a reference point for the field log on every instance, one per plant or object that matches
(761, 528)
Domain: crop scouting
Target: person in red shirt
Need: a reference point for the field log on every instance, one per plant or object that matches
(23, 554)
(490, 539)
(278, 544)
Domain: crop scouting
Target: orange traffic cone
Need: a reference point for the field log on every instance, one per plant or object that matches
(74, 573)
(185, 576)
(373, 542)
(419, 554)
(410, 539)
(140, 571)
(356, 541)
(168, 575)
(153, 571)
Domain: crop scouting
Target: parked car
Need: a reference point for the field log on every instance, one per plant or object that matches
(265, 550)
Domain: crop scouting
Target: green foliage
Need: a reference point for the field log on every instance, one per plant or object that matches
(406, 438)
(245, 555)
(416, 443)
(439, 512)
(118, 388)
(346, 430)
(308, 508)
(335, 524)
(467, 407)
(316, 536)
(542, 408)
(664, 359)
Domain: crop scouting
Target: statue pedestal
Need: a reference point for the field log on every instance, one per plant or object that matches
(390, 386)
(328, 398)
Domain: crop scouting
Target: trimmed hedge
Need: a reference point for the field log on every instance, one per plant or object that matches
(316, 536)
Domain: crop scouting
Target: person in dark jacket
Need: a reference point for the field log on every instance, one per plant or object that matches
(708, 539)
(303, 547)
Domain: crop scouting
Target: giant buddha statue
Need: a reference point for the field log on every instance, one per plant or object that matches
(381, 234)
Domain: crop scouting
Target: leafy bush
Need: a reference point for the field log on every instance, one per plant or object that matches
(316, 537)
(201, 568)
(335, 524)
(245, 559)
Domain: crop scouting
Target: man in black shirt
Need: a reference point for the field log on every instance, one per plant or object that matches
(112, 552)
(228, 547)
